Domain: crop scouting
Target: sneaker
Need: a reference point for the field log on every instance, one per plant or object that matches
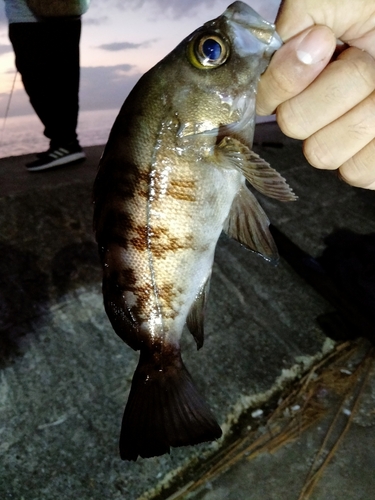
(43, 153)
(56, 157)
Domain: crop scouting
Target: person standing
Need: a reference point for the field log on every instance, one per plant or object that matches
(47, 57)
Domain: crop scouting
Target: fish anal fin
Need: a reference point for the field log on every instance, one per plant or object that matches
(121, 320)
(195, 318)
(164, 410)
(249, 225)
(116, 283)
(257, 171)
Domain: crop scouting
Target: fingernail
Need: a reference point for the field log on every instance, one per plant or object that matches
(317, 45)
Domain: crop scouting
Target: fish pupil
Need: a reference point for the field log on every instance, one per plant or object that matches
(211, 49)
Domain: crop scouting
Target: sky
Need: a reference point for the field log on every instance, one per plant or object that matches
(121, 40)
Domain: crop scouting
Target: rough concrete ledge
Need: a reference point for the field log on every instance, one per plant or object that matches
(65, 375)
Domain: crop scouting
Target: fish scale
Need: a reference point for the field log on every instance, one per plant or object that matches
(171, 178)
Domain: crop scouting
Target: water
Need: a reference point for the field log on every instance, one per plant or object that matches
(24, 134)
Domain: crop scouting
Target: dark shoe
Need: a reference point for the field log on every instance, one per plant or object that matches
(42, 153)
(56, 157)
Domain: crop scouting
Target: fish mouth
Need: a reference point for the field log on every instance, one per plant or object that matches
(275, 43)
(252, 32)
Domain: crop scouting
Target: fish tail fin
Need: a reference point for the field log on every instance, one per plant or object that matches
(164, 409)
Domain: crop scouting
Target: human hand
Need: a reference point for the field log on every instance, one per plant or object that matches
(329, 105)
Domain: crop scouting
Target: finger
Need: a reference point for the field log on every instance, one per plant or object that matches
(293, 17)
(360, 169)
(341, 86)
(335, 144)
(354, 26)
(294, 66)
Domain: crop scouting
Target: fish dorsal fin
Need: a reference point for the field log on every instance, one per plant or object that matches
(248, 224)
(257, 171)
(195, 318)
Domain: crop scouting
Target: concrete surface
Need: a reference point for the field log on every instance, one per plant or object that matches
(282, 472)
(65, 375)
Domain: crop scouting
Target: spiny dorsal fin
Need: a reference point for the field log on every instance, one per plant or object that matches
(195, 319)
(248, 224)
(257, 171)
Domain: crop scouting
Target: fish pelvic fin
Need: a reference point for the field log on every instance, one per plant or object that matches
(164, 409)
(249, 225)
(195, 318)
(257, 171)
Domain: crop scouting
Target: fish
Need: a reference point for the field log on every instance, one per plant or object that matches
(172, 177)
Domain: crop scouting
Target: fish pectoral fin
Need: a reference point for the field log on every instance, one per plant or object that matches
(195, 318)
(248, 224)
(257, 171)
(164, 409)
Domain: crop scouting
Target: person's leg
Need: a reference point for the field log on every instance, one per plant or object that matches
(63, 69)
(47, 57)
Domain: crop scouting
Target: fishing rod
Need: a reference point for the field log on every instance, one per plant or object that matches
(7, 108)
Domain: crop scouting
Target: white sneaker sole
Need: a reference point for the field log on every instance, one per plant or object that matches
(80, 155)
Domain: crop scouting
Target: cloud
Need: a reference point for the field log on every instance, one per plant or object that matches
(111, 72)
(5, 48)
(106, 87)
(3, 19)
(102, 87)
(179, 8)
(19, 103)
(95, 21)
(117, 46)
(174, 9)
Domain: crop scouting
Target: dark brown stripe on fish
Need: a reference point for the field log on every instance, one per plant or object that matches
(139, 240)
(142, 186)
(162, 242)
(115, 285)
(128, 278)
(167, 293)
(182, 190)
(114, 228)
(158, 240)
(159, 248)
(120, 221)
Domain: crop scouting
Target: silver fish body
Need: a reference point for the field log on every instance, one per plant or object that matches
(171, 178)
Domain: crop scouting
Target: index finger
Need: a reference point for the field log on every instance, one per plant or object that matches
(294, 66)
(351, 22)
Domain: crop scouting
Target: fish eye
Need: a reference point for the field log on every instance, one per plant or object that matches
(211, 49)
(208, 51)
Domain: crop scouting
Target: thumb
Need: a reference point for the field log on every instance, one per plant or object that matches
(294, 66)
